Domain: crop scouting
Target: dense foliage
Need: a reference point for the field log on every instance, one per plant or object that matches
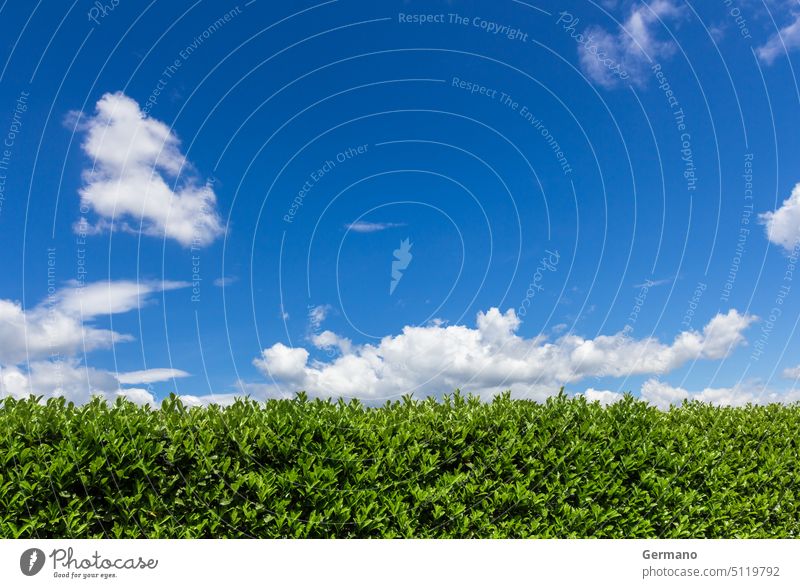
(455, 468)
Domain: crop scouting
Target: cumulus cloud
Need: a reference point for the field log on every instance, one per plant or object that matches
(663, 395)
(39, 347)
(630, 48)
(783, 224)
(139, 174)
(489, 358)
(785, 40)
(331, 341)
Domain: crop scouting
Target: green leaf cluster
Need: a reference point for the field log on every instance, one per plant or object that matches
(410, 468)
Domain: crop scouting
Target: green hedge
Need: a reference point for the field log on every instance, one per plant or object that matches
(454, 468)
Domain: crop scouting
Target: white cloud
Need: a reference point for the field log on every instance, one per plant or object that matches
(783, 225)
(58, 327)
(112, 297)
(135, 395)
(255, 391)
(791, 373)
(68, 379)
(489, 358)
(604, 397)
(42, 332)
(209, 399)
(366, 227)
(284, 363)
(785, 40)
(39, 347)
(629, 46)
(663, 395)
(225, 281)
(139, 175)
(330, 340)
(151, 376)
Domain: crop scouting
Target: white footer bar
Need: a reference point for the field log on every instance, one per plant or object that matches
(353, 563)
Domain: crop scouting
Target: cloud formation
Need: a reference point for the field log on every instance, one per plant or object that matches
(39, 347)
(791, 373)
(365, 227)
(781, 43)
(151, 376)
(783, 225)
(604, 397)
(68, 379)
(139, 175)
(632, 46)
(488, 359)
(59, 326)
(663, 395)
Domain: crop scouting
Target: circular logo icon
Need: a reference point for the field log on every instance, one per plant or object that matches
(31, 561)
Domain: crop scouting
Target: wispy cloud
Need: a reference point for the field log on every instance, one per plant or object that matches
(225, 281)
(151, 376)
(781, 43)
(654, 283)
(317, 315)
(633, 45)
(365, 227)
(40, 347)
(791, 373)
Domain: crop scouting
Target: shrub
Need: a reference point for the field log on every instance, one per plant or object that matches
(453, 468)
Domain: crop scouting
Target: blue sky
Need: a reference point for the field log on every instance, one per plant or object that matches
(368, 199)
